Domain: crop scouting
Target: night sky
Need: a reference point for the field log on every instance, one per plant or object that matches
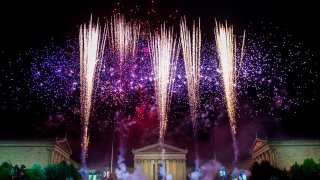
(31, 30)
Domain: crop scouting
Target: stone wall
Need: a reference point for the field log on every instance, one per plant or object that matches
(286, 154)
(25, 153)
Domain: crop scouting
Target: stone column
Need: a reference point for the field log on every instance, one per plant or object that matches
(156, 169)
(58, 157)
(184, 170)
(179, 168)
(51, 156)
(143, 166)
(152, 169)
(268, 157)
(274, 157)
(168, 166)
(148, 168)
(55, 157)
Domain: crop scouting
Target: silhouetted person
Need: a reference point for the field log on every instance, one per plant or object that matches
(15, 174)
(22, 175)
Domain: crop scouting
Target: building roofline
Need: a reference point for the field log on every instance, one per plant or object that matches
(28, 139)
(257, 139)
(64, 140)
(292, 139)
(161, 145)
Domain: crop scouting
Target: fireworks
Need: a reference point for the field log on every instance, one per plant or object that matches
(273, 76)
(191, 48)
(263, 76)
(163, 50)
(91, 53)
(226, 47)
(123, 38)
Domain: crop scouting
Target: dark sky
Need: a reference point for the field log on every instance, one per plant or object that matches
(31, 23)
(27, 23)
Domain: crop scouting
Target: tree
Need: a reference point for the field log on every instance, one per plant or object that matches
(295, 171)
(265, 171)
(36, 172)
(53, 172)
(29, 174)
(59, 171)
(74, 173)
(255, 171)
(5, 170)
(309, 168)
(64, 169)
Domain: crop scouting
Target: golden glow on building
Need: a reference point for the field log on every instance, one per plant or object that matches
(149, 159)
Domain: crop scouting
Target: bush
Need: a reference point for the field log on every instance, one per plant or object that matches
(295, 171)
(308, 170)
(36, 172)
(264, 171)
(309, 167)
(53, 172)
(5, 170)
(74, 173)
(61, 171)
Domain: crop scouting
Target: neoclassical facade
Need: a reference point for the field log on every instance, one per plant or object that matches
(30, 151)
(149, 158)
(284, 153)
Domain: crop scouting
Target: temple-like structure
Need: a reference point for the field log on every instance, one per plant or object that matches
(283, 153)
(149, 158)
(30, 151)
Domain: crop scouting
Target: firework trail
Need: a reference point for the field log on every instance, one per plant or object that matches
(226, 48)
(191, 48)
(164, 52)
(92, 43)
(123, 41)
(123, 37)
(242, 50)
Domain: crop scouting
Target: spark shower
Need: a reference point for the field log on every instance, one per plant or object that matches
(164, 48)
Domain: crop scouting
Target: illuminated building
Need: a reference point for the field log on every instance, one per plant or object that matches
(149, 159)
(30, 151)
(283, 153)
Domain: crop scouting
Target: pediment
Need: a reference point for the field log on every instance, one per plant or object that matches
(257, 144)
(158, 147)
(64, 145)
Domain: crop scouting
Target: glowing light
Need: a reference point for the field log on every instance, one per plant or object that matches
(226, 47)
(123, 37)
(191, 48)
(242, 49)
(163, 51)
(91, 53)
